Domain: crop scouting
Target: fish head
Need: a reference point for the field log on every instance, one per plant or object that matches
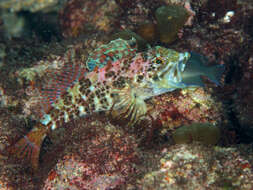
(165, 71)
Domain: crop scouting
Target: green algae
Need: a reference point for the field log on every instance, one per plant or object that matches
(205, 133)
(170, 19)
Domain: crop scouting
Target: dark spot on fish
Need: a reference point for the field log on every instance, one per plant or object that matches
(85, 83)
(77, 112)
(175, 73)
(144, 56)
(159, 61)
(61, 114)
(86, 109)
(97, 92)
(68, 109)
(105, 101)
(155, 77)
(92, 96)
(120, 83)
(132, 43)
(112, 95)
(57, 123)
(79, 100)
(49, 124)
(54, 113)
(71, 116)
(139, 78)
(67, 99)
(109, 74)
(87, 92)
(104, 107)
(92, 106)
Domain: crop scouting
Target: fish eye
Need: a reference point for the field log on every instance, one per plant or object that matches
(159, 61)
(132, 43)
(155, 77)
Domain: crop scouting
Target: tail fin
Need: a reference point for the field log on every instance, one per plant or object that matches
(215, 73)
(28, 148)
(197, 66)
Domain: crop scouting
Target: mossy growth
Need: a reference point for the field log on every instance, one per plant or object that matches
(170, 19)
(205, 133)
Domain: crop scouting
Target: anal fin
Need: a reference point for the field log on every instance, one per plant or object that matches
(27, 149)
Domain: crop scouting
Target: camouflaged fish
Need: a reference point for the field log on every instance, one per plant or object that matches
(119, 78)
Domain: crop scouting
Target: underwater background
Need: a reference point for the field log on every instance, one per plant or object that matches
(188, 138)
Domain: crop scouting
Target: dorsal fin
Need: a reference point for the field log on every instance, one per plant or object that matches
(61, 82)
(108, 53)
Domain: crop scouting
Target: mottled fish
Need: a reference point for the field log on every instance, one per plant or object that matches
(119, 78)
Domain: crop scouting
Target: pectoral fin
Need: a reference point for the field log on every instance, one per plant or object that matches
(130, 107)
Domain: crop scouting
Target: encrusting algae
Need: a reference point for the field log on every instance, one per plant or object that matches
(117, 80)
(205, 133)
(170, 19)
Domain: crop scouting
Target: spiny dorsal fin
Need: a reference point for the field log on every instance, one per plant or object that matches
(108, 53)
(62, 81)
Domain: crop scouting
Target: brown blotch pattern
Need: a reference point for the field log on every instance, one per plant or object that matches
(120, 82)
(84, 83)
(67, 99)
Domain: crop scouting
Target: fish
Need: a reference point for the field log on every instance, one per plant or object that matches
(122, 83)
(108, 53)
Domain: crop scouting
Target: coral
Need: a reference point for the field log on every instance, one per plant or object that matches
(100, 156)
(137, 13)
(8, 128)
(80, 16)
(199, 167)
(12, 176)
(27, 5)
(184, 107)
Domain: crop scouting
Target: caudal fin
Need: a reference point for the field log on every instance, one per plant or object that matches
(27, 149)
(215, 73)
(196, 67)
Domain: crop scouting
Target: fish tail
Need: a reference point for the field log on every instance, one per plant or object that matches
(27, 149)
(215, 73)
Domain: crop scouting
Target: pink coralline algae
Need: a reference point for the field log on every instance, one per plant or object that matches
(185, 107)
(101, 157)
(200, 167)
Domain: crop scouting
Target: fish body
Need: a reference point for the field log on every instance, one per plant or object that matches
(122, 83)
(125, 82)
